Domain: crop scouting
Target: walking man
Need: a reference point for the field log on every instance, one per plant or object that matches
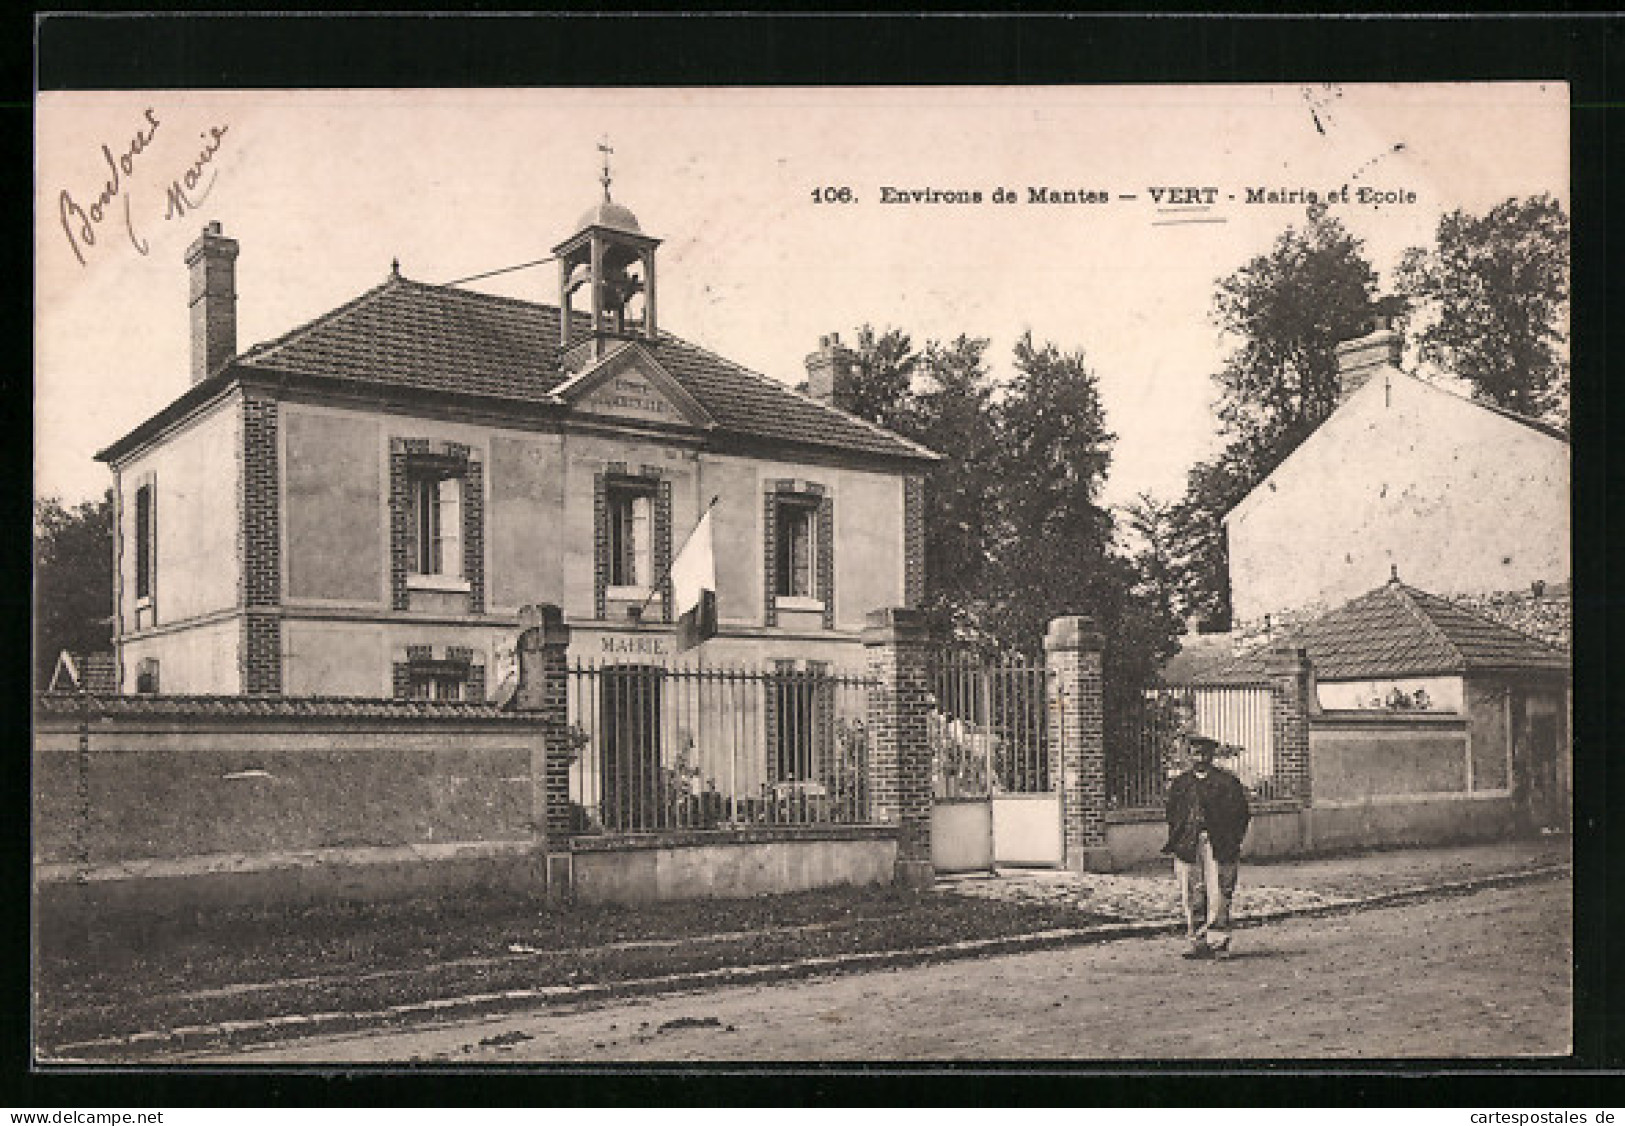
(1207, 819)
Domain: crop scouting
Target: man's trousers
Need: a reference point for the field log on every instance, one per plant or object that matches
(1205, 890)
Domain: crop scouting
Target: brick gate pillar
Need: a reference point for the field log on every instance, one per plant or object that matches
(543, 691)
(896, 643)
(1292, 700)
(1073, 649)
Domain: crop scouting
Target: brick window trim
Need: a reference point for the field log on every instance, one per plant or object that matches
(913, 540)
(455, 663)
(410, 460)
(812, 495)
(259, 543)
(648, 479)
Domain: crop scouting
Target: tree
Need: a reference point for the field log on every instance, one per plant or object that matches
(1200, 555)
(73, 579)
(1151, 522)
(881, 385)
(1288, 310)
(951, 412)
(1015, 531)
(1494, 291)
(1054, 453)
(1054, 547)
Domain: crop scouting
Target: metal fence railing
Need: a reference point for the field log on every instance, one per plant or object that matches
(658, 748)
(1144, 746)
(988, 727)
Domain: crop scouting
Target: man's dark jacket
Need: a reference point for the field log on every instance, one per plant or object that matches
(1218, 803)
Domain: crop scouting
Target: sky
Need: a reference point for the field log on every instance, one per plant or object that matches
(323, 189)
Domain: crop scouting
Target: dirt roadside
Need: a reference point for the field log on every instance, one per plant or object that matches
(1059, 908)
(1479, 975)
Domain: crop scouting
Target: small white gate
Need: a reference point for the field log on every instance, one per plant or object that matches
(1144, 745)
(998, 799)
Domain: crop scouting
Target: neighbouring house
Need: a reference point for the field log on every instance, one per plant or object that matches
(1422, 711)
(363, 506)
(1466, 500)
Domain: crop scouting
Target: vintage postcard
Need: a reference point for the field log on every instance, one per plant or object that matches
(802, 574)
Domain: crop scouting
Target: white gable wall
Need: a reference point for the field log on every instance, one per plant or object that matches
(1459, 498)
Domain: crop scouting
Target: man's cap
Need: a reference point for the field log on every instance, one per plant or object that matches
(1201, 743)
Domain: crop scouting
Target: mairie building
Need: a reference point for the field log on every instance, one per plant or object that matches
(364, 505)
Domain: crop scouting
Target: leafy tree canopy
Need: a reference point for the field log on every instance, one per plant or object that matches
(1287, 310)
(1491, 296)
(1015, 530)
(73, 579)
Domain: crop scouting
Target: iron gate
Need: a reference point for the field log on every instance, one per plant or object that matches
(997, 791)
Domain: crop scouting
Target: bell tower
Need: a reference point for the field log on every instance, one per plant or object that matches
(611, 257)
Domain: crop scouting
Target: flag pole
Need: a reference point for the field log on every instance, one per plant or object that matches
(699, 657)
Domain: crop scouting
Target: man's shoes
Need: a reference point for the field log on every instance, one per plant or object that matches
(1198, 951)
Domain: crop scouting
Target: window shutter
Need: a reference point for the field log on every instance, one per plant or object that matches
(643, 538)
(449, 548)
(143, 541)
(804, 555)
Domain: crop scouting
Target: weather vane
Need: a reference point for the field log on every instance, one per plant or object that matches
(603, 147)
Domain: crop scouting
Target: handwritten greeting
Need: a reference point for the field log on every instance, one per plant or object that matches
(184, 192)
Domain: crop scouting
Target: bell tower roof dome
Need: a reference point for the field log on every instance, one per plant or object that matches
(608, 213)
(614, 261)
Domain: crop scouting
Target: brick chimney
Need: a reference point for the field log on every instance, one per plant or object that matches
(830, 370)
(1359, 358)
(213, 262)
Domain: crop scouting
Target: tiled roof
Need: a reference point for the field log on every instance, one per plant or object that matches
(434, 338)
(1397, 630)
(273, 707)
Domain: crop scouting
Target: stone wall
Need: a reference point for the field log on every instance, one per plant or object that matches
(121, 779)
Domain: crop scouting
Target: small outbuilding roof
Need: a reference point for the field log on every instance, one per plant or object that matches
(1398, 630)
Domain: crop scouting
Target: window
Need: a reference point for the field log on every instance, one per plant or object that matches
(437, 680)
(800, 722)
(797, 550)
(144, 542)
(146, 676)
(436, 684)
(436, 526)
(798, 568)
(631, 542)
(630, 511)
(437, 521)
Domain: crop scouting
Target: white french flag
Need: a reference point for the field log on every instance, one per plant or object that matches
(694, 585)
